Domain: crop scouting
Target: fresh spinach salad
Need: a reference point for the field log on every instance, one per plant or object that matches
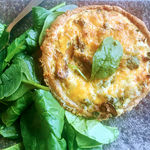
(28, 111)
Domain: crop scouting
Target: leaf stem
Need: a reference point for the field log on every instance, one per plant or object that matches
(37, 85)
(76, 68)
(58, 6)
(3, 103)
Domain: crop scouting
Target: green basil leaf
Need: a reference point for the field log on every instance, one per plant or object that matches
(47, 23)
(42, 124)
(15, 110)
(67, 7)
(107, 58)
(18, 146)
(10, 81)
(93, 129)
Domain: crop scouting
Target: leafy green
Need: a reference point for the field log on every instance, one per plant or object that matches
(39, 16)
(10, 81)
(18, 146)
(2, 28)
(3, 43)
(92, 129)
(42, 124)
(15, 110)
(11, 132)
(107, 58)
(56, 143)
(31, 75)
(29, 67)
(50, 110)
(32, 41)
(2, 58)
(18, 45)
(70, 136)
(52, 17)
(23, 88)
(4, 36)
(65, 8)
(76, 68)
(47, 23)
(86, 142)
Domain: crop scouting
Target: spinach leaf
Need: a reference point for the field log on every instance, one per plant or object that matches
(2, 28)
(10, 81)
(18, 45)
(39, 16)
(56, 143)
(32, 41)
(42, 124)
(23, 89)
(3, 107)
(70, 136)
(11, 132)
(47, 23)
(2, 58)
(4, 36)
(67, 7)
(18, 146)
(50, 111)
(92, 129)
(15, 110)
(31, 76)
(52, 17)
(106, 59)
(86, 142)
(29, 67)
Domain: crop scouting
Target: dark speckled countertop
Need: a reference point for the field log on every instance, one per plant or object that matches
(134, 126)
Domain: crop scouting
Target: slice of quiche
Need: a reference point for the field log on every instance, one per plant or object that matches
(68, 57)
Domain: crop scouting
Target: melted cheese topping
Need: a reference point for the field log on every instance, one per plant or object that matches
(91, 27)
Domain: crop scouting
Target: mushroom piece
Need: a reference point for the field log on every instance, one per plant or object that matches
(61, 66)
(108, 107)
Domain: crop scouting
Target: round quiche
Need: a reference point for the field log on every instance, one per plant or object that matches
(68, 52)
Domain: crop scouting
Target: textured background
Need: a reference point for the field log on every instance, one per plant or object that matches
(134, 126)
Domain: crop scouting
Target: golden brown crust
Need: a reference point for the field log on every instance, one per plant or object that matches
(47, 51)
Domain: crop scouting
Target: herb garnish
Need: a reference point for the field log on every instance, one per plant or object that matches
(107, 58)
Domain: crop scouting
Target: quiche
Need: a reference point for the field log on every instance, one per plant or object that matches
(67, 58)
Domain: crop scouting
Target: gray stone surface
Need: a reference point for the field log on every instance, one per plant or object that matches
(134, 126)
